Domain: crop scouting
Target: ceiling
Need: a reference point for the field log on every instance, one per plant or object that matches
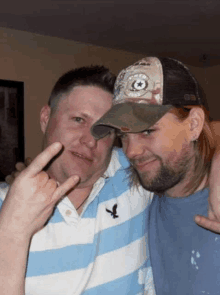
(188, 29)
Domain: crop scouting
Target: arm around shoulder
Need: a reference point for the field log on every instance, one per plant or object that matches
(212, 222)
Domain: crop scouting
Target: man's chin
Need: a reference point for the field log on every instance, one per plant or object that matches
(151, 182)
(137, 178)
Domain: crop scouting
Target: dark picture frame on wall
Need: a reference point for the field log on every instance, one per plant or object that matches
(11, 125)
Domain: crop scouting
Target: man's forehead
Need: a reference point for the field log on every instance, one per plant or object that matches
(168, 120)
(88, 92)
(86, 101)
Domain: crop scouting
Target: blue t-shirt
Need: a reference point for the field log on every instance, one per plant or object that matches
(185, 257)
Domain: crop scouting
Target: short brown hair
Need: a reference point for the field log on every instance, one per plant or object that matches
(99, 76)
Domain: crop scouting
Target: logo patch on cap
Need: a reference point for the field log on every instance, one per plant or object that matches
(141, 82)
(137, 85)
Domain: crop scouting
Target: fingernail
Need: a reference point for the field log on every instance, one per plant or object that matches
(57, 144)
(76, 177)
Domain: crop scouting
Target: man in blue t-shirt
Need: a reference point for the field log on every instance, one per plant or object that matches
(161, 118)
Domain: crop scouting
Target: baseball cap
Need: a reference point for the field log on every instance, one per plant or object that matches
(145, 91)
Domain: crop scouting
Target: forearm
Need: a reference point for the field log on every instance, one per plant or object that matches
(28, 204)
(214, 179)
(13, 260)
(212, 222)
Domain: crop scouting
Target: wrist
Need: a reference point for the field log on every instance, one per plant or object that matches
(14, 237)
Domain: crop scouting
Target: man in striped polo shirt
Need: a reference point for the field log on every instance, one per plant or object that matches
(87, 234)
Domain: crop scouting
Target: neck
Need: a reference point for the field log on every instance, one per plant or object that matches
(184, 187)
(78, 197)
(180, 191)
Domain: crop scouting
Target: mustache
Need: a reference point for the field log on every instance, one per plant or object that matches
(141, 160)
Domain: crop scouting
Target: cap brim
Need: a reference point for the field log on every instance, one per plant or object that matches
(129, 117)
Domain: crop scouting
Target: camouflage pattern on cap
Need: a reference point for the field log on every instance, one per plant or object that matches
(145, 92)
(134, 84)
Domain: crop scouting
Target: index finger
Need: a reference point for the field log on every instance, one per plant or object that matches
(43, 159)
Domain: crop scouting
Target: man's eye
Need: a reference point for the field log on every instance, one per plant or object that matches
(78, 119)
(148, 131)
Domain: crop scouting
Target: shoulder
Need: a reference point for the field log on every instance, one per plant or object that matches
(121, 158)
(4, 187)
(117, 163)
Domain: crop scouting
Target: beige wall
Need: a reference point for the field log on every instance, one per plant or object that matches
(38, 61)
(211, 87)
(209, 79)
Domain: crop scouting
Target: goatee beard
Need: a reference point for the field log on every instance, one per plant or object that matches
(165, 178)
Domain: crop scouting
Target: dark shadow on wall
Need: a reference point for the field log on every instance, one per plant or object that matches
(11, 125)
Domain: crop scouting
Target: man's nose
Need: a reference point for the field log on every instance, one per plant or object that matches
(133, 146)
(88, 139)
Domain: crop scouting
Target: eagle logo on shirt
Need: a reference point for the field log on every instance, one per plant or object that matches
(113, 212)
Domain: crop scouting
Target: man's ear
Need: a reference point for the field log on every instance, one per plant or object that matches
(44, 117)
(196, 120)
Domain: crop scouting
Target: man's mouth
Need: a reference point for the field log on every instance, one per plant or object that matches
(141, 164)
(83, 157)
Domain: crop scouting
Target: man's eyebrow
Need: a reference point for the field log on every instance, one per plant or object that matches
(80, 114)
(84, 115)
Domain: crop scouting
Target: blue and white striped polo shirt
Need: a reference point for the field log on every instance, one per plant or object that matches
(104, 250)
